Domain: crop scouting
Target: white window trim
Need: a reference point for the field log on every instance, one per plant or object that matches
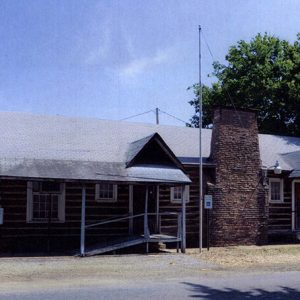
(107, 200)
(179, 201)
(61, 205)
(281, 190)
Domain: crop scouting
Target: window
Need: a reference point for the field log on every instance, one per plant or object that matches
(106, 192)
(275, 190)
(45, 201)
(176, 193)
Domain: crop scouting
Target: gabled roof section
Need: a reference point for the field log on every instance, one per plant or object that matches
(136, 146)
(151, 150)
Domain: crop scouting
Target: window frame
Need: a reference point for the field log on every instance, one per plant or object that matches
(179, 201)
(61, 204)
(281, 200)
(114, 198)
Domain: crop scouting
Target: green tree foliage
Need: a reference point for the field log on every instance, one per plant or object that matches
(263, 74)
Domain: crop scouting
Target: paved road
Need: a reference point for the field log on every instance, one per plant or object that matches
(217, 285)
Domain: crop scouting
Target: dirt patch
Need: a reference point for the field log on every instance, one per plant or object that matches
(30, 272)
(279, 257)
(24, 273)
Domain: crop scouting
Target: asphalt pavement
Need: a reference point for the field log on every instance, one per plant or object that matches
(216, 285)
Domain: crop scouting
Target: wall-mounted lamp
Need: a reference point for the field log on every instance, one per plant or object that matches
(276, 169)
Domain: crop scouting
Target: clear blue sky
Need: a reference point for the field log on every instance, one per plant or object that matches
(114, 58)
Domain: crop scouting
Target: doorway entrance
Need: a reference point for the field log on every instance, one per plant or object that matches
(139, 197)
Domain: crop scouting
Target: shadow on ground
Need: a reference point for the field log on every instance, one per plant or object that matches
(206, 292)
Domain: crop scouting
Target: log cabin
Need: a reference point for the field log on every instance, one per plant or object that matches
(96, 186)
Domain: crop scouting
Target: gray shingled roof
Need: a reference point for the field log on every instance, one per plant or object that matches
(45, 139)
(89, 170)
(282, 148)
(135, 147)
(32, 136)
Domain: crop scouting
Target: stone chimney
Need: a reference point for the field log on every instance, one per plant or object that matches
(239, 214)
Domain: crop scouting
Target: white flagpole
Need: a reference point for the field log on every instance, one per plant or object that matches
(200, 152)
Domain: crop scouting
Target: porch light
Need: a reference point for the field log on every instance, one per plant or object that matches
(276, 169)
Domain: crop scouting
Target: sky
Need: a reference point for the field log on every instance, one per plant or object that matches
(112, 59)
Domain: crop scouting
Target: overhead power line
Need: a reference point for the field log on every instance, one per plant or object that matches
(156, 111)
(133, 116)
(174, 117)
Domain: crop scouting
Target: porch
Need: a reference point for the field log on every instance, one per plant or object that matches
(143, 228)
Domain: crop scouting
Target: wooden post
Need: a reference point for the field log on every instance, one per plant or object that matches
(146, 231)
(130, 208)
(157, 210)
(82, 232)
(183, 225)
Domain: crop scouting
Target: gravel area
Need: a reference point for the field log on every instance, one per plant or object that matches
(27, 273)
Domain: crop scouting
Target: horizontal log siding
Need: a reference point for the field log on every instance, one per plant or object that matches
(17, 233)
(280, 214)
(16, 230)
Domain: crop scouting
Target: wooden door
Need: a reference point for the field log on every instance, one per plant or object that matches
(297, 205)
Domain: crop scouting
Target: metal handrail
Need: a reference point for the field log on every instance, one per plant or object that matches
(107, 221)
(147, 236)
(128, 217)
(164, 214)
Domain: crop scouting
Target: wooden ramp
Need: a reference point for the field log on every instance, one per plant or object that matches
(128, 242)
(114, 245)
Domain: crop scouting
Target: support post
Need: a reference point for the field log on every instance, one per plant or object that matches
(183, 225)
(146, 230)
(200, 153)
(293, 206)
(130, 209)
(157, 210)
(82, 232)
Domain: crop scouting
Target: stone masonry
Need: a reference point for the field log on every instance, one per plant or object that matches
(239, 214)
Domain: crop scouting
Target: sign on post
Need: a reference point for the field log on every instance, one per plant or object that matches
(208, 201)
(1, 215)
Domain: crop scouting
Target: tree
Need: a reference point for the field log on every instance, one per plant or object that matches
(263, 74)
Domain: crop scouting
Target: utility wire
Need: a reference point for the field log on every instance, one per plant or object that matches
(153, 110)
(227, 92)
(206, 43)
(173, 117)
(133, 116)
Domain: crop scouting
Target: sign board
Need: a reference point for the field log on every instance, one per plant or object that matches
(1, 215)
(208, 201)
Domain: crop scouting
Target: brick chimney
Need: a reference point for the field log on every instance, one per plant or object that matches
(239, 214)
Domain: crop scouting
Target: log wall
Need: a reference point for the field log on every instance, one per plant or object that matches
(18, 235)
